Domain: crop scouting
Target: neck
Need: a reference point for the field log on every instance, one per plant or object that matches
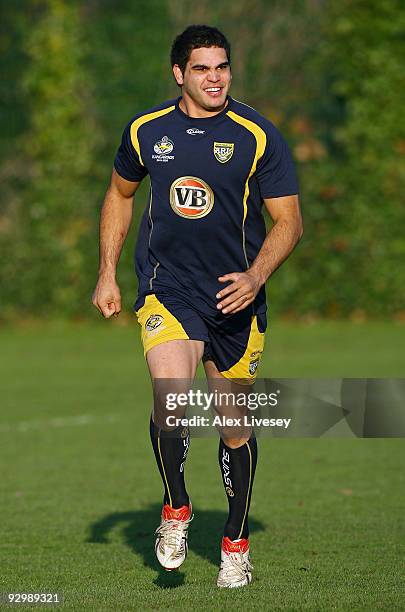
(190, 108)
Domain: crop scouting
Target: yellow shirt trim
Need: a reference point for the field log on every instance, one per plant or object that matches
(140, 121)
(261, 140)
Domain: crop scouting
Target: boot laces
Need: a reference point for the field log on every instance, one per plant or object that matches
(235, 567)
(173, 533)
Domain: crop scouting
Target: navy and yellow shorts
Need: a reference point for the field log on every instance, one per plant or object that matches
(235, 343)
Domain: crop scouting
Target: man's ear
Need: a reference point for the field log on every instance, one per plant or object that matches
(178, 75)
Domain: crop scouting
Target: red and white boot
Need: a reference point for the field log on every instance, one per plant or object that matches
(171, 543)
(236, 569)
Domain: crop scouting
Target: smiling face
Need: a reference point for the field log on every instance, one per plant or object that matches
(206, 81)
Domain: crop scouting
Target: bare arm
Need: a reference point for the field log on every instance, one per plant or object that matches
(278, 244)
(281, 239)
(116, 215)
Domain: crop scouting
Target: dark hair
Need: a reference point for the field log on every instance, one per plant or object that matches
(195, 37)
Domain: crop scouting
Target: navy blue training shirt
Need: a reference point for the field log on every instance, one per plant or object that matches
(208, 177)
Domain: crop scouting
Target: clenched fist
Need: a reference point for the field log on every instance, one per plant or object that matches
(107, 297)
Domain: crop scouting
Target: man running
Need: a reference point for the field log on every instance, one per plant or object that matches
(202, 261)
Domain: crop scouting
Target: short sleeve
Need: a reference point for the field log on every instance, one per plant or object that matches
(275, 172)
(127, 162)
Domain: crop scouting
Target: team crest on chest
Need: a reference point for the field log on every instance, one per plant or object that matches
(163, 148)
(223, 151)
(191, 197)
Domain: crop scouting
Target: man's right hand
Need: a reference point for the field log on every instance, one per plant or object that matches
(107, 297)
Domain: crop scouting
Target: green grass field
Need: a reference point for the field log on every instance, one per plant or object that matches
(80, 495)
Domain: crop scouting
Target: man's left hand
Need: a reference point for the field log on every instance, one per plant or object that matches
(239, 293)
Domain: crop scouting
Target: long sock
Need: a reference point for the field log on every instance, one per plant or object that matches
(238, 467)
(170, 448)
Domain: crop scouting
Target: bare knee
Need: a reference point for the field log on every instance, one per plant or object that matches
(234, 442)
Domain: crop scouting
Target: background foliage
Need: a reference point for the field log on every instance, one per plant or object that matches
(327, 73)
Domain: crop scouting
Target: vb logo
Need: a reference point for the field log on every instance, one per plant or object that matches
(191, 197)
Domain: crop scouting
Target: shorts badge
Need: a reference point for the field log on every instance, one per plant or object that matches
(153, 322)
(254, 362)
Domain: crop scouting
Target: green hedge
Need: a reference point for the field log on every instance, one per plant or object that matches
(328, 74)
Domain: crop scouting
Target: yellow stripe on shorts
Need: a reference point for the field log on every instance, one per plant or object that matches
(245, 370)
(158, 325)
